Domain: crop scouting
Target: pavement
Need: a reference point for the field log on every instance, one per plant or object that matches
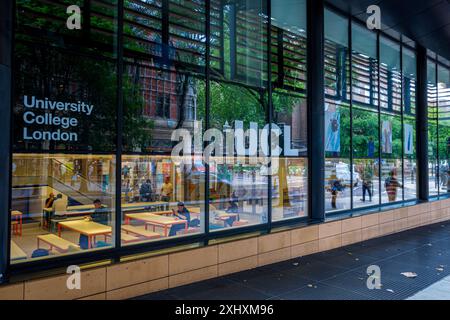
(423, 254)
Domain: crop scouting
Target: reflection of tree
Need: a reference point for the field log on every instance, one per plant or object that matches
(233, 102)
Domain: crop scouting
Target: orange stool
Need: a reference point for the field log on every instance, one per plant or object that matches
(16, 222)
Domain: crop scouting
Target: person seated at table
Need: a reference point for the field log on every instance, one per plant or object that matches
(182, 213)
(146, 191)
(232, 208)
(59, 206)
(100, 215)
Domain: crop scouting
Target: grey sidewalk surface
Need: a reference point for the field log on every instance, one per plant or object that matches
(341, 274)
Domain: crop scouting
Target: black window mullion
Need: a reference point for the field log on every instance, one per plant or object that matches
(269, 112)
(165, 30)
(119, 126)
(438, 158)
(7, 18)
(350, 50)
(222, 36)
(207, 105)
(280, 56)
(402, 121)
(379, 115)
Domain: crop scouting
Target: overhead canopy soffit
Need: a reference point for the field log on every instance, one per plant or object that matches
(426, 22)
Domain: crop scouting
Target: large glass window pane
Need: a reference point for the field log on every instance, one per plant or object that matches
(61, 204)
(163, 195)
(288, 44)
(64, 136)
(339, 178)
(289, 180)
(433, 162)
(153, 187)
(290, 189)
(391, 122)
(443, 88)
(239, 41)
(365, 130)
(239, 176)
(391, 162)
(288, 67)
(239, 181)
(365, 157)
(409, 124)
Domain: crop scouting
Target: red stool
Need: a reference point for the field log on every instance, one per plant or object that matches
(16, 222)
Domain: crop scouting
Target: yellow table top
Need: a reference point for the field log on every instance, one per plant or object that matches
(154, 218)
(159, 213)
(81, 207)
(144, 204)
(124, 205)
(16, 213)
(88, 228)
(16, 252)
(194, 209)
(224, 214)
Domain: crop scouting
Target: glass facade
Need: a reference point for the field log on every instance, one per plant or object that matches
(369, 117)
(188, 117)
(438, 94)
(159, 122)
(64, 131)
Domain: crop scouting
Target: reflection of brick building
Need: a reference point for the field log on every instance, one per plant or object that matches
(169, 98)
(297, 119)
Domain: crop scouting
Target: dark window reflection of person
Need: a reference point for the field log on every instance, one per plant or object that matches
(334, 187)
(367, 178)
(392, 184)
(100, 215)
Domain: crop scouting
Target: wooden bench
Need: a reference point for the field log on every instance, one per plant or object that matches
(240, 223)
(192, 230)
(140, 232)
(60, 244)
(126, 238)
(16, 252)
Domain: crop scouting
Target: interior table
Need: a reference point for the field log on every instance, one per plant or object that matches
(88, 228)
(156, 220)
